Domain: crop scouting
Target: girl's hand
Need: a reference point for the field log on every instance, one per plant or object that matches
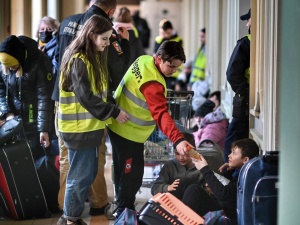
(44, 139)
(122, 117)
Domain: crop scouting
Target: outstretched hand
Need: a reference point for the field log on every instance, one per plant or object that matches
(199, 164)
(182, 147)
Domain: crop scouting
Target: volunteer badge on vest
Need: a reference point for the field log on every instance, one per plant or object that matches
(117, 47)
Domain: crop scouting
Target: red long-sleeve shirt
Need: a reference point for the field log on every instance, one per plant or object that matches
(157, 104)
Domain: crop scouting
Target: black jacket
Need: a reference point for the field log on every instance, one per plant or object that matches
(118, 53)
(226, 195)
(238, 64)
(36, 87)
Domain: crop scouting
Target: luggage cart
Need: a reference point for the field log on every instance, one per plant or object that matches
(158, 148)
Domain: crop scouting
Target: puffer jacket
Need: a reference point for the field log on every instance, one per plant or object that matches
(213, 127)
(35, 104)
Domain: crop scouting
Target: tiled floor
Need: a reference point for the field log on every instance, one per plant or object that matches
(141, 198)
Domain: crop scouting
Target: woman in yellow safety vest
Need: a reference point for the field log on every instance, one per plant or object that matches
(83, 111)
(142, 94)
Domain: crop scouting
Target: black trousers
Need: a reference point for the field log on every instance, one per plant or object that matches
(199, 200)
(128, 161)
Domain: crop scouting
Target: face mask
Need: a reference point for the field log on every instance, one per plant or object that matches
(45, 36)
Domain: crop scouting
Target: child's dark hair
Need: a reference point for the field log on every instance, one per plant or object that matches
(170, 50)
(189, 138)
(248, 147)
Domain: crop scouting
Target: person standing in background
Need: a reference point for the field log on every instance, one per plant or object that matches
(143, 29)
(199, 64)
(118, 62)
(124, 19)
(168, 33)
(47, 39)
(238, 74)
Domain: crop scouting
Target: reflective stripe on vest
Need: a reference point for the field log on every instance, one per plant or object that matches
(198, 71)
(72, 116)
(132, 101)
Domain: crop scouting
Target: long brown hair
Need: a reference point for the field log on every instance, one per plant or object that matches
(83, 45)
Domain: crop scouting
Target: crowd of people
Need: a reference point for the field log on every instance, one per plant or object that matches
(98, 81)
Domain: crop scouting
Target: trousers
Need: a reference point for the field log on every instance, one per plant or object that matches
(97, 194)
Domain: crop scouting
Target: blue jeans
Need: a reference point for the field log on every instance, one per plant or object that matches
(82, 172)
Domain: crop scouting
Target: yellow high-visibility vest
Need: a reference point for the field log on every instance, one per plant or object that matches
(72, 116)
(131, 100)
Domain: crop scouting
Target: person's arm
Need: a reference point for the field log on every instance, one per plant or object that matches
(157, 104)
(92, 103)
(161, 183)
(4, 107)
(238, 64)
(221, 192)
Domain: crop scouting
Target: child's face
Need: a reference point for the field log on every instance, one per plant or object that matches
(235, 159)
(183, 159)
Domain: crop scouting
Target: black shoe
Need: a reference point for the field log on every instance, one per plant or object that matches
(98, 211)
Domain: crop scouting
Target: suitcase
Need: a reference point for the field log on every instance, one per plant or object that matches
(166, 209)
(257, 190)
(212, 153)
(21, 194)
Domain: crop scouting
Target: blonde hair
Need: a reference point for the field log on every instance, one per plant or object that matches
(19, 71)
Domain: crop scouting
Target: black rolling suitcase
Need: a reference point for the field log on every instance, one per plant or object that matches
(21, 194)
(258, 188)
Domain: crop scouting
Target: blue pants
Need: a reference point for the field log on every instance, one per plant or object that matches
(238, 129)
(82, 172)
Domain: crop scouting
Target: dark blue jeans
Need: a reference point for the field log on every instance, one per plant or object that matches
(238, 129)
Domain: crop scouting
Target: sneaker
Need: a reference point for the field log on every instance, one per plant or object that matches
(63, 221)
(98, 211)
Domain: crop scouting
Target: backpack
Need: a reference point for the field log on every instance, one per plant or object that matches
(216, 218)
(127, 217)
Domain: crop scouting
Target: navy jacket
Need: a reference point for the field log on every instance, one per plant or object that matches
(118, 53)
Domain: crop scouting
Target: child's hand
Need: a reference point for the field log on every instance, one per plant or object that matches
(225, 167)
(208, 189)
(174, 185)
(200, 163)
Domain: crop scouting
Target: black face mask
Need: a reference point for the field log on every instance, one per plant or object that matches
(45, 36)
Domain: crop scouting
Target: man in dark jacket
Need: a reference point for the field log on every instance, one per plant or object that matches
(238, 73)
(118, 63)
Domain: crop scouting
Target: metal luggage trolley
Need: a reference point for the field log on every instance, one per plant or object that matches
(158, 148)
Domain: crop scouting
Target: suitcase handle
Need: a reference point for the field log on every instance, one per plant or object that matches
(271, 156)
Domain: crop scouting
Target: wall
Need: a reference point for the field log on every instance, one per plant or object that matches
(289, 108)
